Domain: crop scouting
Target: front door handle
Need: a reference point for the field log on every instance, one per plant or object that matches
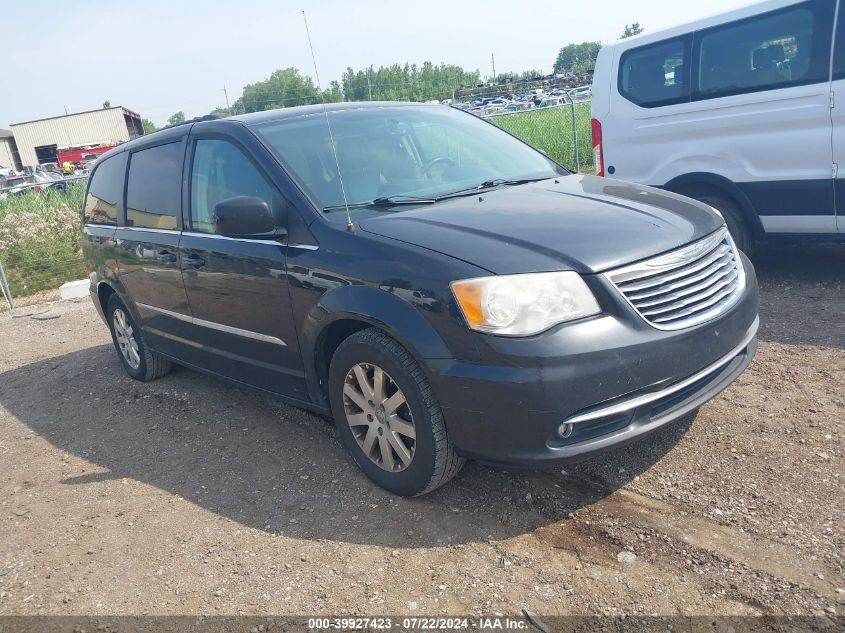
(194, 260)
(166, 257)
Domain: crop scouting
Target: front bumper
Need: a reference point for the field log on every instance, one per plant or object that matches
(612, 379)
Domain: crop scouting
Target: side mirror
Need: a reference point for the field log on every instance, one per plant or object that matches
(244, 216)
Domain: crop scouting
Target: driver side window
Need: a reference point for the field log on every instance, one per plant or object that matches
(221, 171)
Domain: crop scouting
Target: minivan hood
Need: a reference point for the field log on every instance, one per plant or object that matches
(582, 223)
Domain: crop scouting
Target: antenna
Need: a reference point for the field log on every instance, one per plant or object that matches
(349, 225)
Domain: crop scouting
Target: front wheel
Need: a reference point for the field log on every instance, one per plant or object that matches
(388, 417)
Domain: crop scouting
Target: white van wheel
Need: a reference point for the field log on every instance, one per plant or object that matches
(733, 218)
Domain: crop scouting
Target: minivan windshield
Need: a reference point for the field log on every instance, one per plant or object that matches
(400, 155)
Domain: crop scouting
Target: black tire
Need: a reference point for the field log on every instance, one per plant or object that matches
(434, 460)
(150, 365)
(733, 218)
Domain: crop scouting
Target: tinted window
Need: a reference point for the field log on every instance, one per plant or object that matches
(154, 188)
(773, 50)
(221, 171)
(656, 74)
(105, 192)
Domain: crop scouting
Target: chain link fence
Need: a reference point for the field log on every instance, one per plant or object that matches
(563, 131)
(40, 250)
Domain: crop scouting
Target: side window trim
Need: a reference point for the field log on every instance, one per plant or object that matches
(190, 152)
(837, 42)
(686, 41)
(121, 198)
(168, 141)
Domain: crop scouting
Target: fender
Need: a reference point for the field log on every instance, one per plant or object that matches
(704, 183)
(113, 281)
(381, 308)
(372, 306)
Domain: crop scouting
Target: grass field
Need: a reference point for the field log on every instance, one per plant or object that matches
(550, 129)
(39, 239)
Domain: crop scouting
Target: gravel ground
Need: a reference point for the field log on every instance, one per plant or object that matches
(190, 496)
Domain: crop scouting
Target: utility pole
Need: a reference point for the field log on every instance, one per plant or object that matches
(493, 62)
(369, 86)
(226, 94)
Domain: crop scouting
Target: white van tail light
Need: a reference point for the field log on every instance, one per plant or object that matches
(598, 154)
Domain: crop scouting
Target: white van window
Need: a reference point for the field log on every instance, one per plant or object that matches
(773, 50)
(656, 74)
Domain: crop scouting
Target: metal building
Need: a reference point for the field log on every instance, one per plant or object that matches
(38, 141)
(9, 158)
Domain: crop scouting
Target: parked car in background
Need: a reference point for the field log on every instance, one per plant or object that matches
(744, 111)
(584, 93)
(552, 102)
(457, 294)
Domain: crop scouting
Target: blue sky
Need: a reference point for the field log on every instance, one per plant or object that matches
(159, 56)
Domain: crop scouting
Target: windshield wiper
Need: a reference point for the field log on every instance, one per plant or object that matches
(384, 201)
(488, 184)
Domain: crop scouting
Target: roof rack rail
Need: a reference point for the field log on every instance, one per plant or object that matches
(208, 117)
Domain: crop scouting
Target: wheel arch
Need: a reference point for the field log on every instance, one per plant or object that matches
(104, 292)
(112, 286)
(698, 184)
(343, 311)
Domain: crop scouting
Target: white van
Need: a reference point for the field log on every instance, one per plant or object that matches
(744, 111)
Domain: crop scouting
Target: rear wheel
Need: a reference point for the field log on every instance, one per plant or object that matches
(733, 218)
(138, 360)
(388, 417)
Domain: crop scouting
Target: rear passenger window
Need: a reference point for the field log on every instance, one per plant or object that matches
(656, 74)
(154, 187)
(105, 192)
(221, 171)
(774, 50)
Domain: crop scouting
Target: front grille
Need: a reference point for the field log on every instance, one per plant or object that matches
(686, 286)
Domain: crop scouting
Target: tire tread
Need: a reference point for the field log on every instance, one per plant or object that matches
(447, 462)
(155, 366)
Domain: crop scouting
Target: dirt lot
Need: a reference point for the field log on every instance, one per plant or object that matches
(189, 496)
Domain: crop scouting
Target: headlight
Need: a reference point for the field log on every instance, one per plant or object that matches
(522, 305)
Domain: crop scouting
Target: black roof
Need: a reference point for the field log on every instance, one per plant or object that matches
(256, 118)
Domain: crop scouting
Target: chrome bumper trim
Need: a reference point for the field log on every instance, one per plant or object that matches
(638, 401)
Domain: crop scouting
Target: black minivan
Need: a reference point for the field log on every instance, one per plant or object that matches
(438, 287)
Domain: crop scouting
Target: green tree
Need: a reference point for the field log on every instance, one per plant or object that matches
(220, 110)
(106, 104)
(577, 57)
(631, 30)
(333, 93)
(149, 126)
(284, 88)
(177, 118)
(406, 82)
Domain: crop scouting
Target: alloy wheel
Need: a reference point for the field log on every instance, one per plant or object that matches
(125, 336)
(379, 416)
